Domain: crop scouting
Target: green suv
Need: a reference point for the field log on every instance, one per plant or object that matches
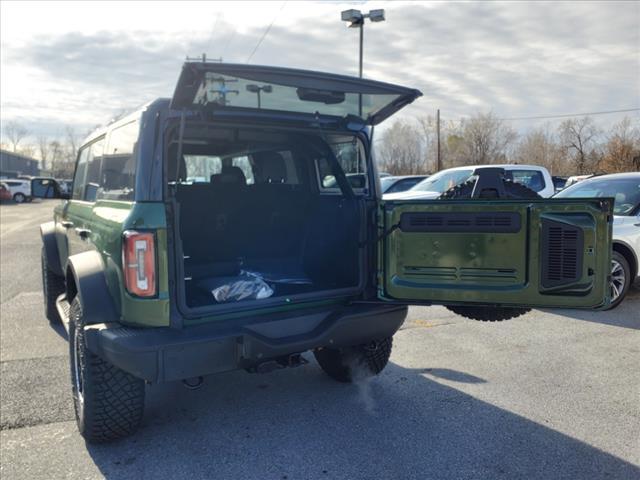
(240, 224)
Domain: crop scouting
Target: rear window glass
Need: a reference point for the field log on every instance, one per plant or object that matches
(531, 179)
(233, 91)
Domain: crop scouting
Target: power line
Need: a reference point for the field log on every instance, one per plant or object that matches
(266, 31)
(567, 115)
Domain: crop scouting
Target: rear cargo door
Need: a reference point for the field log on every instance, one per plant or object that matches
(301, 92)
(536, 253)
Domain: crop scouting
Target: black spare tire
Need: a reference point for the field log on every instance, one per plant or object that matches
(488, 313)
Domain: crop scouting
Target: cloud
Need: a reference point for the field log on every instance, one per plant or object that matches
(516, 59)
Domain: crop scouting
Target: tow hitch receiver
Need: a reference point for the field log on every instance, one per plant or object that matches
(286, 361)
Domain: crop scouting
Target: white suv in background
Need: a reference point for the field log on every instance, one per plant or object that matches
(534, 177)
(20, 189)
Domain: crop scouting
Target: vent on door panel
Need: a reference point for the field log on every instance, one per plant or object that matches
(561, 252)
(470, 222)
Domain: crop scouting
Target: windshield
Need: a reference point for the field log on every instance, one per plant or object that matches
(625, 191)
(442, 181)
(386, 182)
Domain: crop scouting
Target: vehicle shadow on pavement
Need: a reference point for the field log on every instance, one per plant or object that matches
(299, 424)
(624, 315)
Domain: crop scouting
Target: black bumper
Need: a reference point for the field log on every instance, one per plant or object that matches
(165, 354)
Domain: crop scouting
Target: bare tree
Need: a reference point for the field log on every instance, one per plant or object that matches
(486, 139)
(43, 150)
(400, 150)
(621, 148)
(540, 147)
(15, 132)
(578, 137)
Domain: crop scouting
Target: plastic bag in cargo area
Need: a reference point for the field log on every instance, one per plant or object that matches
(246, 286)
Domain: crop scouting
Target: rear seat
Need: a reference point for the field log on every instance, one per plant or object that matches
(227, 220)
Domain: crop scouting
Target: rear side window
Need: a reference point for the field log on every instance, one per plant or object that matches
(350, 156)
(94, 164)
(81, 171)
(531, 179)
(117, 173)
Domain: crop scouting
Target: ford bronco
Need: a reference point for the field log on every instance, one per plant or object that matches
(240, 224)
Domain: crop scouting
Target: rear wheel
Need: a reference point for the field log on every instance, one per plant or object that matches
(513, 190)
(355, 363)
(108, 402)
(19, 197)
(52, 288)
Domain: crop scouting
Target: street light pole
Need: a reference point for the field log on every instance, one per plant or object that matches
(361, 45)
(356, 19)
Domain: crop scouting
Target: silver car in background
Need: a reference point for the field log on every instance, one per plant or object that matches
(625, 189)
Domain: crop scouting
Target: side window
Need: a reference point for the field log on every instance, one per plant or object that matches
(350, 156)
(81, 171)
(94, 165)
(199, 168)
(531, 179)
(117, 175)
(245, 165)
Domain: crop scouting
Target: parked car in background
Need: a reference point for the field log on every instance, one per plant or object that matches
(5, 194)
(400, 183)
(20, 189)
(533, 177)
(559, 182)
(625, 189)
(47, 187)
(575, 179)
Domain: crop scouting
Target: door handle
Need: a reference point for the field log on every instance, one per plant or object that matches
(83, 233)
(66, 224)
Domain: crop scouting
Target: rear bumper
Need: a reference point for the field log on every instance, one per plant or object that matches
(165, 354)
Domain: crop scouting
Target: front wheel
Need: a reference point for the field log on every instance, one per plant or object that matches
(108, 402)
(19, 197)
(355, 363)
(620, 279)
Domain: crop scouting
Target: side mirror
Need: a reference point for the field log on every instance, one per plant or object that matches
(46, 188)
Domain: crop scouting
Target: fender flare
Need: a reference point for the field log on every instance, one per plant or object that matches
(86, 271)
(48, 234)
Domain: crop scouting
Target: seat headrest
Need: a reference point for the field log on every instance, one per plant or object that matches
(271, 167)
(229, 176)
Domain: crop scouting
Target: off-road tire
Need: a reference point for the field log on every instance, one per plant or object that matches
(626, 281)
(52, 287)
(355, 363)
(112, 400)
(513, 190)
(19, 197)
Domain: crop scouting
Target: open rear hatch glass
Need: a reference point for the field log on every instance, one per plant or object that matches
(220, 85)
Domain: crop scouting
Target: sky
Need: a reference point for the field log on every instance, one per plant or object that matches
(82, 63)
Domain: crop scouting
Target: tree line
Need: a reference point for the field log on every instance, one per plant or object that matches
(577, 146)
(56, 155)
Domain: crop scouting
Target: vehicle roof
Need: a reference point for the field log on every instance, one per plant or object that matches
(612, 176)
(506, 166)
(101, 130)
(400, 177)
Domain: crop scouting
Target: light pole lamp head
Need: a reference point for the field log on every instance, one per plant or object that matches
(377, 15)
(354, 17)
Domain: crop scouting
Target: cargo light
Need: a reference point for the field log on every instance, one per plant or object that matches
(139, 263)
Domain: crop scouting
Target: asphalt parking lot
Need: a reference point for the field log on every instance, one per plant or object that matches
(549, 395)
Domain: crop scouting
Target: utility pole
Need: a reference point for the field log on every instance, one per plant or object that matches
(438, 159)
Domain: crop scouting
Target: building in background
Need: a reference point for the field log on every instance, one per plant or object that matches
(14, 164)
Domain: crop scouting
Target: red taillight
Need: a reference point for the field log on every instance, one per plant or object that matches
(139, 263)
